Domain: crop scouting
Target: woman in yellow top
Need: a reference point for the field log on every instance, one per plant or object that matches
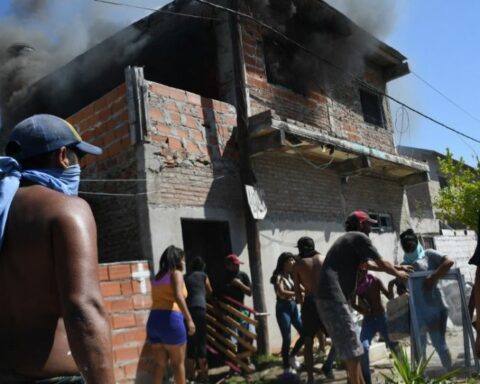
(166, 323)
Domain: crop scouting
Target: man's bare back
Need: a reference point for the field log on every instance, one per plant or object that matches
(307, 271)
(48, 270)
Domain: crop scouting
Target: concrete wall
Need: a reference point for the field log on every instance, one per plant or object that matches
(460, 246)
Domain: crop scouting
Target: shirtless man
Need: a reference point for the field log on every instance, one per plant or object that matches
(305, 275)
(52, 324)
(369, 291)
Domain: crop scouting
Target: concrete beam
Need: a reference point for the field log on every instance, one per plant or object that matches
(352, 166)
(267, 142)
(416, 178)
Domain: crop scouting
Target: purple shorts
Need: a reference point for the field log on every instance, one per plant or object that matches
(166, 327)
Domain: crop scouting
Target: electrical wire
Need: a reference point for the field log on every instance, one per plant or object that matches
(450, 100)
(155, 10)
(336, 67)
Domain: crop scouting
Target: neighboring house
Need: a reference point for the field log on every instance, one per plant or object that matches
(449, 238)
(159, 98)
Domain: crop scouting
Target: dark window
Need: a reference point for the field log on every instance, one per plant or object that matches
(428, 242)
(443, 182)
(384, 222)
(280, 65)
(372, 108)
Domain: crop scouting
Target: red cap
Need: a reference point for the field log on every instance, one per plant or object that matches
(234, 259)
(361, 217)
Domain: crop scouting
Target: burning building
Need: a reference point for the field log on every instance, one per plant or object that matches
(160, 97)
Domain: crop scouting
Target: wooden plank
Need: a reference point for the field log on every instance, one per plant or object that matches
(230, 355)
(232, 322)
(244, 355)
(235, 312)
(218, 336)
(227, 330)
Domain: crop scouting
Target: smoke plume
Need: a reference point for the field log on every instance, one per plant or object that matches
(378, 17)
(58, 31)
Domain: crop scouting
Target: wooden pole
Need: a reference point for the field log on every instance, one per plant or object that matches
(248, 178)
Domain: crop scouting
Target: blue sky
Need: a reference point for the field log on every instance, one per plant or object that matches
(440, 40)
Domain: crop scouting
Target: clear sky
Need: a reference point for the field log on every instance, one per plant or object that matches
(440, 40)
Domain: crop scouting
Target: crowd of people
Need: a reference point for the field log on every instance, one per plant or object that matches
(51, 299)
(327, 288)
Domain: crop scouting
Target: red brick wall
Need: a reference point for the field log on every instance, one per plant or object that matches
(191, 158)
(128, 310)
(335, 109)
(105, 123)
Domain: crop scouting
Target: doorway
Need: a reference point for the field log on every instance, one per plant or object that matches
(209, 240)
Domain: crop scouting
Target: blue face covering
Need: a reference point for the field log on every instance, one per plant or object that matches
(417, 254)
(62, 180)
(65, 181)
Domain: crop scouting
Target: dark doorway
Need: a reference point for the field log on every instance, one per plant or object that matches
(210, 240)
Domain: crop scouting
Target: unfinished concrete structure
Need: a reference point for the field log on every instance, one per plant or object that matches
(159, 97)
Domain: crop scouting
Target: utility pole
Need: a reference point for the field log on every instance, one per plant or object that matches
(247, 177)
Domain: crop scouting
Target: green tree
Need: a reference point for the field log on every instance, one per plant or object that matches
(459, 202)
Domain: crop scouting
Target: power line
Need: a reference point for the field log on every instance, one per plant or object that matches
(336, 67)
(155, 10)
(445, 96)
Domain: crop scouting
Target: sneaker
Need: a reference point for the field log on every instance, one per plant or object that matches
(328, 374)
(294, 363)
(288, 372)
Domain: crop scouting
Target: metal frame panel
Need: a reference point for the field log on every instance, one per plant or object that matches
(469, 341)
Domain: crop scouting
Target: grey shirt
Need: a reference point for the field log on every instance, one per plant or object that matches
(338, 277)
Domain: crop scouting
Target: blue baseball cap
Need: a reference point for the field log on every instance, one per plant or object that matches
(41, 134)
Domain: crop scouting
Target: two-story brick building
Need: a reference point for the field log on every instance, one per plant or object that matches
(159, 97)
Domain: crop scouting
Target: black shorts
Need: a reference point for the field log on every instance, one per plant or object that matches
(197, 343)
(310, 319)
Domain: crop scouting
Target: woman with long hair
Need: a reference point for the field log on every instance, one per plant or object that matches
(198, 287)
(166, 324)
(286, 310)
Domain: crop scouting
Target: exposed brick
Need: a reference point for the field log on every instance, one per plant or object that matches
(141, 318)
(121, 305)
(126, 354)
(110, 288)
(118, 339)
(135, 335)
(123, 320)
(119, 271)
(156, 114)
(131, 370)
(119, 373)
(103, 272)
(174, 144)
(142, 301)
(126, 288)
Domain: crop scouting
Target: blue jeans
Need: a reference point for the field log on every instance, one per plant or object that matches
(436, 331)
(370, 326)
(287, 315)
